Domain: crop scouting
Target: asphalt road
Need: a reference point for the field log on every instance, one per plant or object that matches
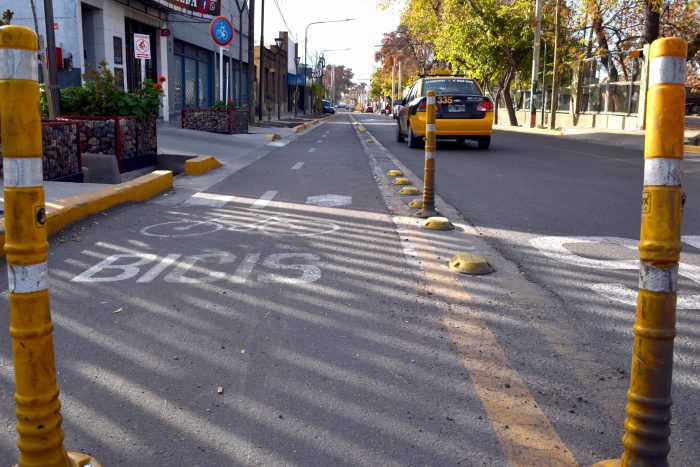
(304, 313)
(293, 314)
(566, 213)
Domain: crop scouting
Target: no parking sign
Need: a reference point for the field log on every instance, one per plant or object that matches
(221, 31)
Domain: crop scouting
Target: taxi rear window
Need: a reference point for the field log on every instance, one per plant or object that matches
(450, 86)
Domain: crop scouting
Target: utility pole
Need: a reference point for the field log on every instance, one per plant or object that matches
(251, 62)
(544, 83)
(555, 73)
(261, 61)
(535, 63)
(51, 80)
(393, 93)
(241, 9)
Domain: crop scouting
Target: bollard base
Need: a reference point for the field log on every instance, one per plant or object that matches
(608, 463)
(78, 459)
(425, 213)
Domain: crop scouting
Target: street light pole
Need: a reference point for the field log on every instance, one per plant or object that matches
(535, 63)
(296, 85)
(262, 61)
(279, 41)
(306, 41)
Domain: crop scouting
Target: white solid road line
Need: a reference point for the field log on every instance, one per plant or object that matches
(208, 199)
(312, 149)
(265, 199)
(298, 166)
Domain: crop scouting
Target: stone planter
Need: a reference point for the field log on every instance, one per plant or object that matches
(224, 121)
(132, 142)
(61, 159)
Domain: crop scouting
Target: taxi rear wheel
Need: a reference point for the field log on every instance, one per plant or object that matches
(399, 136)
(484, 142)
(413, 141)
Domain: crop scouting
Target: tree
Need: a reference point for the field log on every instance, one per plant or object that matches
(490, 40)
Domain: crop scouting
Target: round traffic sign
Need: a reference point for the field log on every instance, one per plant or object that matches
(221, 31)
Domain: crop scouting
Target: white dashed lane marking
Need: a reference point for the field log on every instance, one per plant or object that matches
(265, 199)
(312, 149)
(298, 166)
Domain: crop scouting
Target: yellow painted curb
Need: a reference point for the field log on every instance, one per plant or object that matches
(410, 191)
(401, 181)
(438, 223)
(272, 137)
(469, 263)
(416, 204)
(693, 149)
(65, 211)
(394, 173)
(200, 165)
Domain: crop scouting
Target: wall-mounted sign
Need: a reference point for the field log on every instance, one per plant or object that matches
(142, 46)
(165, 32)
(221, 31)
(204, 7)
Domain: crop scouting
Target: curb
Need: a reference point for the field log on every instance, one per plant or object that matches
(534, 131)
(66, 211)
(306, 125)
(691, 149)
(200, 165)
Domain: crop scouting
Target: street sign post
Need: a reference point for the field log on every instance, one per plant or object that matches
(221, 31)
(142, 51)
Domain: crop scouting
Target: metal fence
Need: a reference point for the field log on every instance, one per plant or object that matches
(610, 83)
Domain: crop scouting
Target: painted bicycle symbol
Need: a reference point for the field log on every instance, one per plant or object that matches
(276, 226)
(222, 33)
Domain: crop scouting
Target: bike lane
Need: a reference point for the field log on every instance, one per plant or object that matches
(270, 319)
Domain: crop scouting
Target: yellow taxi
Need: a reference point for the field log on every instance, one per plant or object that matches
(463, 112)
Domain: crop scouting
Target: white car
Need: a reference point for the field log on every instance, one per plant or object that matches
(395, 113)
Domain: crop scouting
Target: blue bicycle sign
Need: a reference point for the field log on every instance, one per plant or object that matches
(221, 31)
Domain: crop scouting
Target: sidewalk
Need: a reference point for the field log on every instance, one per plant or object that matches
(624, 138)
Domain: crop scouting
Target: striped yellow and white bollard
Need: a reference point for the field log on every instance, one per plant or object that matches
(428, 209)
(38, 408)
(647, 426)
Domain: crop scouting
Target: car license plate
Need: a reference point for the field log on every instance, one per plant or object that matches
(456, 108)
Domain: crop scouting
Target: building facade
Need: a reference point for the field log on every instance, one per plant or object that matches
(90, 32)
(275, 75)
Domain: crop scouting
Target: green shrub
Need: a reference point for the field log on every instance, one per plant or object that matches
(101, 97)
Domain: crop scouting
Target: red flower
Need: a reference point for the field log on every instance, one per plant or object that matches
(161, 79)
(157, 86)
(230, 101)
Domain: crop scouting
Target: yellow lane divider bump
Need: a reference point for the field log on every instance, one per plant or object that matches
(438, 223)
(469, 263)
(693, 149)
(272, 137)
(416, 204)
(200, 165)
(401, 181)
(394, 173)
(410, 191)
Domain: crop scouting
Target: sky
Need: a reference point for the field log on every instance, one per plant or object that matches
(360, 35)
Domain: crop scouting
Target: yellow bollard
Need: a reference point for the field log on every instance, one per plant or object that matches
(429, 171)
(38, 408)
(647, 426)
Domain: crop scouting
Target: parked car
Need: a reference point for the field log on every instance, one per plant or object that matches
(397, 109)
(327, 107)
(463, 112)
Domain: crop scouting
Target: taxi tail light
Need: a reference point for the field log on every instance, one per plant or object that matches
(421, 106)
(484, 106)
